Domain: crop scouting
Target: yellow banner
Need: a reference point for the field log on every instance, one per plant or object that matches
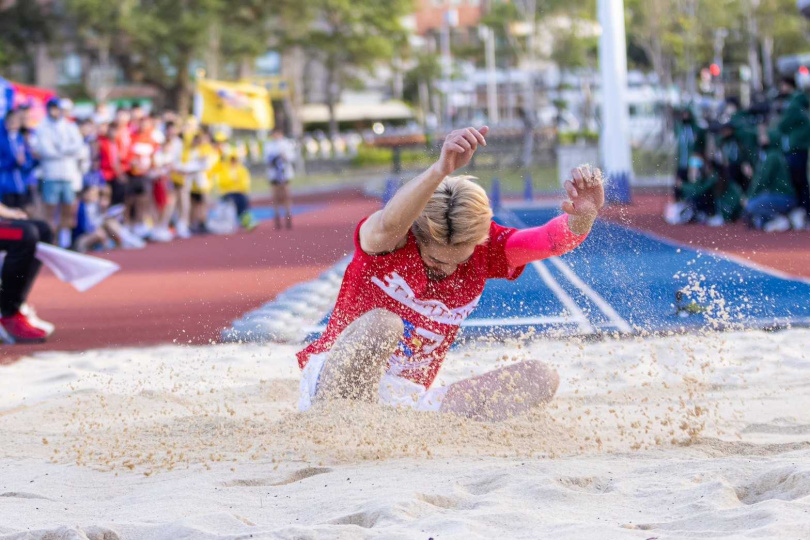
(239, 105)
(278, 87)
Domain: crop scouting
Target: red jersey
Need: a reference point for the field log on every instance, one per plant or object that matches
(432, 311)
(108, 158)
(142, 153)
(123, 141)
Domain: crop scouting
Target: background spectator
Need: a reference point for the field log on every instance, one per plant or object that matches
(60, 148)
(771, 193)
(280, 156)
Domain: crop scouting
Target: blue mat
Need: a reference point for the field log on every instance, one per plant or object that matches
(627, 281)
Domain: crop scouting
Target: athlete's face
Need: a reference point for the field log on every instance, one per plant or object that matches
(442, 261)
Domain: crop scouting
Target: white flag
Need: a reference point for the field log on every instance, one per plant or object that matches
(82, 271)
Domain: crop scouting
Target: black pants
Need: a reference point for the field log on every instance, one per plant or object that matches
(681, 175)
(703, 203)
(18, 238)
(736, 175)
(16, 200)
(797, 162)
(118, 191)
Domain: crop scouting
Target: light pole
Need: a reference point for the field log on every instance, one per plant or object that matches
(614, 140)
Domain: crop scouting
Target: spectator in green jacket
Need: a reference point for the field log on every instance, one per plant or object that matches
(690, 139)
(771, 195)
(738, 142)
(698, 191)
(794, 126)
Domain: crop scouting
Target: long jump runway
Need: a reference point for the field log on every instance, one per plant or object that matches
(621, 280)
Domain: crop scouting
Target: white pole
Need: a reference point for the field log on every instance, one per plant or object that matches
(492, 83)
(614, 142)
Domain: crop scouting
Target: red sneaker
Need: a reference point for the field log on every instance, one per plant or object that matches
(21, 329)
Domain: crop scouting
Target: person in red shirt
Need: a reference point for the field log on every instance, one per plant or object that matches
(419, 268)
(141, 165)
(110, 163)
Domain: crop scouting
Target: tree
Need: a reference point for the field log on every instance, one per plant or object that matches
(23, 27)
(349, 37)
(100, 33)
(420, 80)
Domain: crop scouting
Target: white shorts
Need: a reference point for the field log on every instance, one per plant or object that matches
(394, 391)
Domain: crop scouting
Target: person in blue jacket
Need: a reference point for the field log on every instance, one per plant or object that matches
(14, 157)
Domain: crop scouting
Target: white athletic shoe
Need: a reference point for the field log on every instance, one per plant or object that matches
(35, 321)
(141, 230)
(716, 221)
(798, 219)
(130, 240)
(183, 231)
(777, 224)
(161, 235)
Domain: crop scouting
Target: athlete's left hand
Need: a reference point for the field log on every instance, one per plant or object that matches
(586, 196)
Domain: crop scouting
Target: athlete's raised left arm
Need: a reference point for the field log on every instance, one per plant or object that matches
(586, 196)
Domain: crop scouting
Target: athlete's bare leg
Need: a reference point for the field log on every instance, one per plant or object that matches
(503, 393)
(359, 357)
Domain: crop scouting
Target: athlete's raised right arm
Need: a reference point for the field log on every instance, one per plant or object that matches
(387, 229)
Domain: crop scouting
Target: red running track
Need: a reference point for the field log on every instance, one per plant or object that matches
(189, 290)
(788, 252)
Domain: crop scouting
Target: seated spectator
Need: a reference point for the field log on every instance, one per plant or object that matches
(698, 191)
(794, 129)
(232, 179)
(770, 196)
(98, 225)
(738, 143)
(727, 197)
(690, 138)
(18, 239)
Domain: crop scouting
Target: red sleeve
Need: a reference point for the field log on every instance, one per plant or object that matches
(357, 236)
(498, 266)
(550, 240)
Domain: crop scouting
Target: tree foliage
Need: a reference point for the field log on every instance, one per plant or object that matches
(23, 26)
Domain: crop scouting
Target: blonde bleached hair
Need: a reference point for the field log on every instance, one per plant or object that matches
(458, 213)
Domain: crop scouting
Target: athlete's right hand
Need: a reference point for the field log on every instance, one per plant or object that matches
(459, 147)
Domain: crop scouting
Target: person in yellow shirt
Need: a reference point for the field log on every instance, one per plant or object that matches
(232, 179)
(204, 157)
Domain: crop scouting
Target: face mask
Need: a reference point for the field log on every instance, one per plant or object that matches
(695, 163)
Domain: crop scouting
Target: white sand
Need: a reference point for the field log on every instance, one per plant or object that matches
(679, 437)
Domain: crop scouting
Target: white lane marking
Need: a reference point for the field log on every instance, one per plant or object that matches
(577, 315)
(615, 319)
(613, 316)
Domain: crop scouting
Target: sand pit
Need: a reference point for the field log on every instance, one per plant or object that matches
(668, 437)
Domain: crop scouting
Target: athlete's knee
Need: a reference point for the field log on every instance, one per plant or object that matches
(544, 378)
(44, 231)
(385, 323)
(30, 234)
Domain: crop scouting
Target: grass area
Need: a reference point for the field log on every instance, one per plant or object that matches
(544, 177)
